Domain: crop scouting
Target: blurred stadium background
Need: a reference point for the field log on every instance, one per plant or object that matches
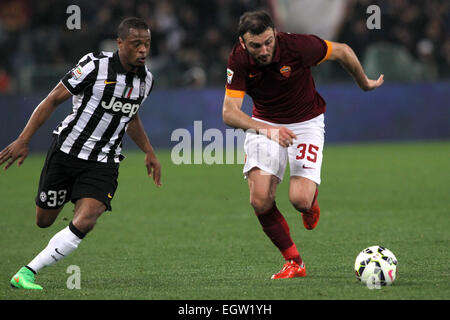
(191, 40)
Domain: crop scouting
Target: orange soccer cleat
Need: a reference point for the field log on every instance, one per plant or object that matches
(311, 217)
(291, 269)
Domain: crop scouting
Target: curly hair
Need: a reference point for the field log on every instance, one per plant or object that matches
(130, 23)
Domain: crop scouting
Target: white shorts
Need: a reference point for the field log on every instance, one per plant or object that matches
(305, 155)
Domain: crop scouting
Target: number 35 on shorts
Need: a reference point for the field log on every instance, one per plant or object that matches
(53, 198)
(307, 150)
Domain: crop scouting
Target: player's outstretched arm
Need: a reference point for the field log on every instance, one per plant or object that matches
(18, 149)
(137, 133)
(347, 57)
(234, 117)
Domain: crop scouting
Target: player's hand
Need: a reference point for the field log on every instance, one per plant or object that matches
(284, 136)
(373, 84)
(18, 149)
(153, 168)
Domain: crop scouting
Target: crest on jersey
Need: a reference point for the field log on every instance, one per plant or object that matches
(230, 74)
(286, 71)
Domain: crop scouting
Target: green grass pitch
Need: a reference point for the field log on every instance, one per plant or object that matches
(196, 237)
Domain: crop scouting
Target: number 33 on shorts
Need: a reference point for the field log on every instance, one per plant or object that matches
(53, 198)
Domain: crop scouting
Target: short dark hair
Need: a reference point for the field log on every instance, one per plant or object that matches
(135, 23)
(255, 22)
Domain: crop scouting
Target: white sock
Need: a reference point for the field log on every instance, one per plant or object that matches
(61, 245)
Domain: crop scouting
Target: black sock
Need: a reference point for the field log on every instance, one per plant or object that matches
(75, 231)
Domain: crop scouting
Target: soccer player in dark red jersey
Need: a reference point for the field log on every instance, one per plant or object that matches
(287, 123)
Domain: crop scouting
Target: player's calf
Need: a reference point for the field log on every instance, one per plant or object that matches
(311, 217)
(87, 211)
(261, 204)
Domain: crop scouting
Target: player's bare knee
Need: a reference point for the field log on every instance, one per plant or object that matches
(45, 218)
(301, 203)
(42, 223)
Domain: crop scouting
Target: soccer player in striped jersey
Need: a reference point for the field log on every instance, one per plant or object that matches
(287, 124)
(107, 89)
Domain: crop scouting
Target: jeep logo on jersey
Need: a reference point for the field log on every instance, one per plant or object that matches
(118, 106)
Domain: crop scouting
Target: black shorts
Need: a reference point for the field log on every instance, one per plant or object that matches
(65, 177)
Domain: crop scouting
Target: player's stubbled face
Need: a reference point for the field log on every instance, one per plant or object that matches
(135, 48)
(260, 46)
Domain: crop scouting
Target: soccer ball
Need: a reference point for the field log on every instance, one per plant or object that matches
(376, 266)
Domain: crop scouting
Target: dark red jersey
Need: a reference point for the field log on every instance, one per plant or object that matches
(284, 90)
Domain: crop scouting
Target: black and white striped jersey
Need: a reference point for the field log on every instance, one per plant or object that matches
(105, 98)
